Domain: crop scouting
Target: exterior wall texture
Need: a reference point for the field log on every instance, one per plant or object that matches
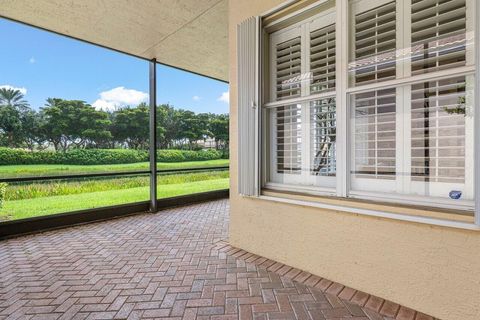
(435, 270)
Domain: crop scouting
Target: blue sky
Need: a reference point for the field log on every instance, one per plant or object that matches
(49, 65)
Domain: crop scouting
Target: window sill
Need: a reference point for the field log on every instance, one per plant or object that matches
(431, 216)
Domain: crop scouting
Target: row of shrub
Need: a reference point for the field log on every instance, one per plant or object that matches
(102, 156)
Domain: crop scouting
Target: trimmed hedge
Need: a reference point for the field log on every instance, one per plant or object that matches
(101, 156)
(79, 156)
(187, 155)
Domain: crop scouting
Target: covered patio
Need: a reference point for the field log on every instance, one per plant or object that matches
(175, 264)
(175, 258)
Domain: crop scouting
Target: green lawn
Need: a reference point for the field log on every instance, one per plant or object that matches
(18, 209)
(32, 199)
(59, 169)
(51, 188)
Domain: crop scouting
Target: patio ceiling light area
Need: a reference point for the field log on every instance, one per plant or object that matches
(188, 34)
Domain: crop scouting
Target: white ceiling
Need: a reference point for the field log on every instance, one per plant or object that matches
(188, 34)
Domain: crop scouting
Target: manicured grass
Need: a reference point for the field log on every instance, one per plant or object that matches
(25, 200)
(26, 208)
(59, 169)
(51, 188)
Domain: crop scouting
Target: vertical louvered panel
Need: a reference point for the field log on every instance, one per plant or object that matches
(438, 35)
(248, 117)
(288, 127)
(438, 131)
(374, 134)
(323, 127)
(288, 69)
(322, 59)
(375, 45)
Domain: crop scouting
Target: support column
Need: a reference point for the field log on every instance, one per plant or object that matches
(153, 135)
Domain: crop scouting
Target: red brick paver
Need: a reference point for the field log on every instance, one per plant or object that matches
(170, 265)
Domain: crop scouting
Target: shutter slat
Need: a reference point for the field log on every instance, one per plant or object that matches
(375, 45)
(430, 33)
(377, 29)
(419, 5)
(438, 35)
(288, 68)
(385, 9)
(322, 38)
(324, 54)
(322, 59)
(385, 35)
(436, 131)
(375, 135)
(437, 14)
(287, 121)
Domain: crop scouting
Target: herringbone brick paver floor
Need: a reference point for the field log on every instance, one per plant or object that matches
(162, 266)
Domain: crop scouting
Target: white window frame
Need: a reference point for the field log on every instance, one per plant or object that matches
(398, 189)
(342, 100)
(299, 182)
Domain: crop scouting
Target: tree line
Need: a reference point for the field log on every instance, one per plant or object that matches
(74, 124)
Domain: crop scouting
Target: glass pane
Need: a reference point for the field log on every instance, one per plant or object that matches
(44, 197)
(395, 39)
(439, 35)
(191, 182)
(302, 144)
(288, 129)
(373, 42)
(322, 59)
(323, 127)
(374, 140)
(422, 147)
(69, 109)
(288, 69)
(192, 133)
(439, 122)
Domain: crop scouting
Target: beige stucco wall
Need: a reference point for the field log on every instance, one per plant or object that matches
(432, 269)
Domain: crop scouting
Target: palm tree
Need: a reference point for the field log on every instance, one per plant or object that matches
(12, 98)
(12, 106)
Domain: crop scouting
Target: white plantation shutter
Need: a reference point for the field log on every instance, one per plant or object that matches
(375, 44)
(438, 131)
(374, 137)
(322, 59)
(288, 69)
(248, 106)
(288, 133)
(303, 134)
(438, 35)
(440, 126)
(322, 128)
(374, 113)
(405, 135)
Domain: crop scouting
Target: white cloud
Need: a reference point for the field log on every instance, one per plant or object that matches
(196, 98)
(225, 97)
(32, 60)
(119, 97)
(104, 105)
(7, 86)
